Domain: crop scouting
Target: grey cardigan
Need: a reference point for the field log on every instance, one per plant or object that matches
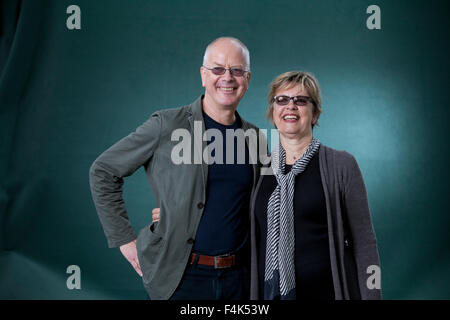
(352, 241)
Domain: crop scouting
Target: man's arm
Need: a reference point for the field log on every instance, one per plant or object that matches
(106, 180)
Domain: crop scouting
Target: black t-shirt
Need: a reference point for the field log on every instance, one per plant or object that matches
(224, 226)
(312, 254)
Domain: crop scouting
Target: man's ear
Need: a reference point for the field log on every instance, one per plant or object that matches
(203, 75)
(249, 75)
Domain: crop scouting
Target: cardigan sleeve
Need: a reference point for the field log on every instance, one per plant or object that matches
(363, 239)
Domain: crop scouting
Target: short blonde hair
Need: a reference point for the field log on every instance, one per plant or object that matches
(290, 79)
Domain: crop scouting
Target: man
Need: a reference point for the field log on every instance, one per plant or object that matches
(199, 248)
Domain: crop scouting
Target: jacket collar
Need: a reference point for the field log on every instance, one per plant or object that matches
(196, 109)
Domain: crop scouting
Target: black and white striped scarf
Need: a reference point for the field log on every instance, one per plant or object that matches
(279, 278)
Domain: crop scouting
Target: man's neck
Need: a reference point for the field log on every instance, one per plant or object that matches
(222, 115)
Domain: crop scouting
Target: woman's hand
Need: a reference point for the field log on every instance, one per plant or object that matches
(155, 215)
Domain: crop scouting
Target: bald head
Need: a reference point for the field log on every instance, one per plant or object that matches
(224, 42)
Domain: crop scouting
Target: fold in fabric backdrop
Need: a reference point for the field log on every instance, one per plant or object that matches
(66, 95)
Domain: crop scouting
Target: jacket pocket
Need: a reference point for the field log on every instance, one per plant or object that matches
(148, 246)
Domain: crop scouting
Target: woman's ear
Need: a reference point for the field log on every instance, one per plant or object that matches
(315, 119)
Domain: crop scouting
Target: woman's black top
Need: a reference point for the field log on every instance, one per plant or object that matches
(312, 254)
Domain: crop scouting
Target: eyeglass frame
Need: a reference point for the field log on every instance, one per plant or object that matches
(309, 99)
(229, 69)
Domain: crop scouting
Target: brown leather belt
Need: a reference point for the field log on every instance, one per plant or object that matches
(218, 262)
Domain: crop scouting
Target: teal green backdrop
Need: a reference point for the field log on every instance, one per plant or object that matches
(67, 95)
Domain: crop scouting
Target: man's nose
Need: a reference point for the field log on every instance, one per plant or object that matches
(228, 75)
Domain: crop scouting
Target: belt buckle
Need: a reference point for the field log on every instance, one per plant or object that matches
(216, 261)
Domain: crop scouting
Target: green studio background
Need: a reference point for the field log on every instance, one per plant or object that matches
(67, 95)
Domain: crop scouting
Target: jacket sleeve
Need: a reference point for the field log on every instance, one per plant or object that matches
(106, 178)
(363, 239)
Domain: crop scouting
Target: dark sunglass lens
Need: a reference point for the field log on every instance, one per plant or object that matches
(300, 101)
(237, 72)
(218, 70)
(282, 100)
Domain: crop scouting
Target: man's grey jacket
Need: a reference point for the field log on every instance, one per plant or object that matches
(179, 190)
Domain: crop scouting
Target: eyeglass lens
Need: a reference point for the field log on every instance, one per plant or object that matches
(298, 100)
(221, 70)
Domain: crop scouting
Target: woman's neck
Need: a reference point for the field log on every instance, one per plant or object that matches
(295, 147)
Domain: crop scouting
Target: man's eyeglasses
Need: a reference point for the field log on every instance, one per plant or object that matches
(218, 71)
(298, 100)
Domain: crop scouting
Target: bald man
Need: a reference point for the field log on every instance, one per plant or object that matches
(199, 248)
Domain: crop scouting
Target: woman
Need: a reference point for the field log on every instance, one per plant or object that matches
(312, 235)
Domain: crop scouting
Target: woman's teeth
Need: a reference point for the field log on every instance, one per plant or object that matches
(290, 117)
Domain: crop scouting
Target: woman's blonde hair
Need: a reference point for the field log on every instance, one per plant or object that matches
(290, 79)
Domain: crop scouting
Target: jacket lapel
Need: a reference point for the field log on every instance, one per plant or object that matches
(197, 129)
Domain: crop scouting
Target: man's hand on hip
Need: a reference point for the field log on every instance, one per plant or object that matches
(130, 253)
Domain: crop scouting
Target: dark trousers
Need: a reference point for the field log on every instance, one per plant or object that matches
(201, 282)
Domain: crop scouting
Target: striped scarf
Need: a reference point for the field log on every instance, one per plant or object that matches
(279, 278)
